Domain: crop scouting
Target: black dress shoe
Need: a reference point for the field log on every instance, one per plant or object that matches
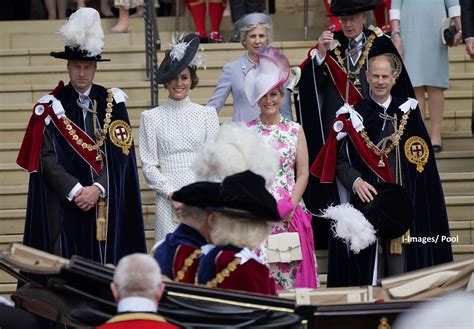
(437, 148)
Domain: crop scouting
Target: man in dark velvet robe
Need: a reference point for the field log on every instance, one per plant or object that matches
(411, 162)
(324, 86)
(84, 196)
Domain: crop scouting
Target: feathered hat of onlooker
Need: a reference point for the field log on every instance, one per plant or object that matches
(83, 37)
(183, 53)
(236, 148)
(270, 70)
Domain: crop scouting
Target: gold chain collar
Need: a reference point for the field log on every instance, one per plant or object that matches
(362, 60)
(395, 140)
(104, 130)
(187, 264)
(225, 273)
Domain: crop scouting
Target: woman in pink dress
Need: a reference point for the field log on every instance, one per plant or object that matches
(264, 85)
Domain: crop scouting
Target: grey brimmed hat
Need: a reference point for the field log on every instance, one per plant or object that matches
(250, 20)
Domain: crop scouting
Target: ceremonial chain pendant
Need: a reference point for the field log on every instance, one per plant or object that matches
(381, 164)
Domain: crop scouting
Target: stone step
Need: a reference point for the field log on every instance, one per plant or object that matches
(38, 33)
(225, 52)
(455, 161)
(458, 183)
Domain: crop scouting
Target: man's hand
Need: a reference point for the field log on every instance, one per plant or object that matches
(470, 47)
(364, 190)
(86, 198)
(176, 205)
(324, 43)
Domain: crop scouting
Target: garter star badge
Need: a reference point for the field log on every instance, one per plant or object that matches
(121, 135)
(417, 152)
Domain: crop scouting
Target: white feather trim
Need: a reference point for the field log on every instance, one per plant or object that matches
(236, 148)
(83, 30)
(178, 50)
(119, 95)
(351, 226)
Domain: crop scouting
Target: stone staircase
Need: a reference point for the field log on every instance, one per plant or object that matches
(28, 72)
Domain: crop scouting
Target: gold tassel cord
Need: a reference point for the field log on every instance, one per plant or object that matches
(101, 221)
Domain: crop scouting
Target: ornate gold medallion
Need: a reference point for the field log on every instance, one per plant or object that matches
(417, 152)
(121, 135)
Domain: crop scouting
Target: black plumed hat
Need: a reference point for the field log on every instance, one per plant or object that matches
(83, 37)
(352, 7)
(391, 212)
(178, 58)
(240, 195)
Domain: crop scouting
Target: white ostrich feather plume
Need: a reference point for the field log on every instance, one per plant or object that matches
(236, 148)
(178, 50)
(351, 226)
(83, 30)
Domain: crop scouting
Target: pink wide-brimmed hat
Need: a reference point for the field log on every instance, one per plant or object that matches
(270, 70)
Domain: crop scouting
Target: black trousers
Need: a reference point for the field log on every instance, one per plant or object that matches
(238, 8)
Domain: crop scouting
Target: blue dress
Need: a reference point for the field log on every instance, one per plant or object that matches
(425, 55)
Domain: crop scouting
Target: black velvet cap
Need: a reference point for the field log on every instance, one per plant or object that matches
(241, 195)
(352, 7)
(171, 67)
(391, 212)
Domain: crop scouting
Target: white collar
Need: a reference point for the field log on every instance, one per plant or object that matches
(136, 304)
(385, 104)
(359, 37)
(245, 255)
(86, 93)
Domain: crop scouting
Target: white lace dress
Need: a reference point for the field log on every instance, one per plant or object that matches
(170, 137)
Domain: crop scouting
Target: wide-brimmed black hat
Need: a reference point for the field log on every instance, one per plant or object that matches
(77, 54)
(352, 7)
(178, 58)
(391, 212)
(240, 195)
(83, 37)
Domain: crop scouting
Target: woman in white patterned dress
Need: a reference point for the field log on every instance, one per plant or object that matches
(172, 134)
(290, 183)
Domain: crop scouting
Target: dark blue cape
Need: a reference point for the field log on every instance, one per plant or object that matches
(165, 253)
(424, 189)
(49, 213)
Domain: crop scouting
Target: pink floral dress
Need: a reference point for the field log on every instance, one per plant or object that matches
(284, 137)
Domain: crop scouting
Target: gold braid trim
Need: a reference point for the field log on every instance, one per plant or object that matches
(363, 58)
(105, 127)
(395, 139)
(220, 277)
(187, 264)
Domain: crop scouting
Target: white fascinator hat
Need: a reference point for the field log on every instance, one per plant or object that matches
(269, 71)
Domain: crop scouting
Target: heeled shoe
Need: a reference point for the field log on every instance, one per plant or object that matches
(437, 148)
(215, 37)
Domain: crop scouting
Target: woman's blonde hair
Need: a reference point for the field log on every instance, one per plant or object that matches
(240, 232)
